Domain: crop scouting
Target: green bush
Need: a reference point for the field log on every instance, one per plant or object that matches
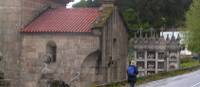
(188, 62)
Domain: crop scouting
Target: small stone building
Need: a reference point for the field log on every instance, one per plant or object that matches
(153, 53)
(42, 43)
(78, 46)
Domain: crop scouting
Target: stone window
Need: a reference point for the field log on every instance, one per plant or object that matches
(140, 55)
(114, 40)
(161, 55)
(173, 57)
(51, 51)
(151, 65)
(140, 65)
(161, 65)
(151, 54)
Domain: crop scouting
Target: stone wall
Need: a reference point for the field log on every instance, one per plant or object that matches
(10, 39)
(23, 53)
(72, 50)
(31, 9)
(114, 49)
(14, 15)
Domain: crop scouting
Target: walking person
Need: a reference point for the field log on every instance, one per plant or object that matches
(132, 72)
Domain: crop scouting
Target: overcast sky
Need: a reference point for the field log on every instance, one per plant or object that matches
(71, 3)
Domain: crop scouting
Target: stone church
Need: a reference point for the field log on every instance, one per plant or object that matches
(43, 44)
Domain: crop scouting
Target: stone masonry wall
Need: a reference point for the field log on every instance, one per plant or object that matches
(14, 15)
(72, 49)
(31, 9)
(114, 49)
(10, 39)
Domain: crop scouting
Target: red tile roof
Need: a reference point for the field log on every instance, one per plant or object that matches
(64, 20)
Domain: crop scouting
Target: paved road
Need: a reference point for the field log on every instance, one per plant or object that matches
(186, 80)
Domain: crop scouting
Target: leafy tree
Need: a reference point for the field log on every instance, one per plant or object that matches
(148, 13)
(82, 3)
(193, 26)
(157, 13)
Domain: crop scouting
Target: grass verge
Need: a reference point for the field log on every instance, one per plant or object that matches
(142, 80)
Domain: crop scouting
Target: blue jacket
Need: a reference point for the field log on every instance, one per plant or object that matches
(136, 72)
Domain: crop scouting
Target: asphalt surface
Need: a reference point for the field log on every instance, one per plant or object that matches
(186, 80)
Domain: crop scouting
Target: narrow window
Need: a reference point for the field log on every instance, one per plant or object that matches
(51, 52)
(114, 40)
(110, 61)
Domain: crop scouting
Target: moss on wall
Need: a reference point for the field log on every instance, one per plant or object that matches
(105, 14)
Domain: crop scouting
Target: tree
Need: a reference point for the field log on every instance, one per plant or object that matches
(157, 13)
(148, 13)
(193, 26)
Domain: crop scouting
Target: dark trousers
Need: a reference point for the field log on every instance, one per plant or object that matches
(132, 80)
(132, 83)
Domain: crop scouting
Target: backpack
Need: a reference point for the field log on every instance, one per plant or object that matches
(131, 71)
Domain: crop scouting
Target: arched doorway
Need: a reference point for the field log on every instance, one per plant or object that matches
(90, 69)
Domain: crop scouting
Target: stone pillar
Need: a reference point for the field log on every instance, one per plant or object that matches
(156, 67)
(145, 63)
(178, 60)
(167, 61)
(135, 56)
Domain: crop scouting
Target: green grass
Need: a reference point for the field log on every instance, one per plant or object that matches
(188, 62)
